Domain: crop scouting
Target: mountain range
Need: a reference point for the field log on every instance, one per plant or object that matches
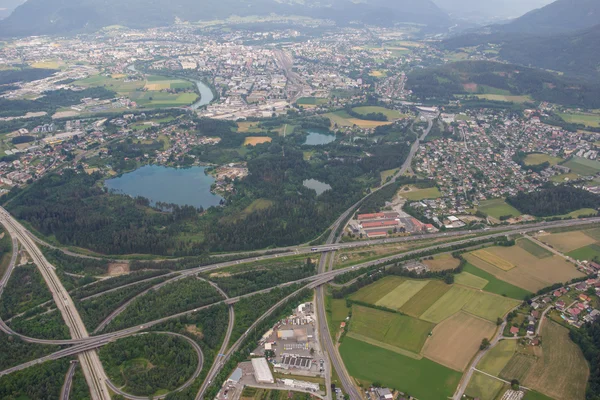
(478, 11)
(38, 17)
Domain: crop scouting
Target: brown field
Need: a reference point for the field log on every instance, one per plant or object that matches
(456, 340)
(156, 86)
(531, 273)
(244, 127)
(254, 140)
(567, 241)
(562, 371)
(118, 269)
(518, 367)
(442, 262)
(493, 259)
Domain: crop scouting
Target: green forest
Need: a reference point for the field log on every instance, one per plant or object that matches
(16, 351)
(26, 289)
(147, 364)
(41, 382)
(553, 201)
(588, 339)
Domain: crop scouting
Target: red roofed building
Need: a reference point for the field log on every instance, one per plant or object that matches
(575, 311)
(379, 224)
(560, 305)
(514, 330)
(372, 234)
(362, 217)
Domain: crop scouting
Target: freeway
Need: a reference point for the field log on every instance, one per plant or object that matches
(65, 392)
(187, 384)
(92, 368)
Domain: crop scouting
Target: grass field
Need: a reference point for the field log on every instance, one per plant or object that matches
(425, 298)
(566, 242)
(540, 158)
(494, 362)
(493, 259)
(497, 208)
(342, 118)
(395, 299)
(456, 340)
(530, 273)
(394, 329)
(533, 395)
(468, 279)
(421, 194)
(423, 378)
(593, 233)
(373, 293)
(562, 371)
(245, 127)
(496, 285)
(483, 387)
(449, 304)
(337, 312)
(588, 253)
(583, 166)
(564, 178)
(533, 248)
(254, 140)
(391, 114)
(518, 367)
(587, 119)
(489, 306)
(442, 262)
(507, 98)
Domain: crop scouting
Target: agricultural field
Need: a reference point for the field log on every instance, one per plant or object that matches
(562, 371)
(391, 114)
(455, 341)
(506, 98)
(389, 328)
(255, 140)
(566, 242)
(420, 194)
(484, 387)
(468, 279)
(497, 208)
(518, 367)
(422, 378)
(534, 248)
(490, 306)
(248, 127)
(395, 299)
(442, 262)
(373, 293)
(583, 166)
(588, 119)
(425, 299)
(589, 253)
(157, 83)
(342, 118)
(540, 158)
(564, 178)
(497, 358)
(529, 272)
(496, 285)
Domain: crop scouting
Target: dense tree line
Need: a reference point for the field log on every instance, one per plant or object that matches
(94, 311)
(258, 278)
(79, 388)
(25, 289)
(373, 116)
(43, 381)
(112, 283)
(146, 364)
(520, 157)
(249, 309)
(71, 282)
(75, 265)
(44, 326)
(22, 139)
(25, 75)
(16, 351)
(588, 339)
(554, 200)
(183, 295)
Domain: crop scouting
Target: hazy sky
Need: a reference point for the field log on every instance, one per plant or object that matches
(500, 9)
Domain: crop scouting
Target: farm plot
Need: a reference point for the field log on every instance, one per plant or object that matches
(583, 166)
(567, 241)
(562, 371)
(421, 194)
(442, 262)
(493, 259)
(389, 328)
(490, 306)
(390, 114)
(589, 253)
(518, 367)
(484, 387)
(533, 248)
(497, 208)
(419, 303)
(256, 140)
(468, 279)
(540, 158)
(449, 304)
(530, 273)
(455, 341)
(401, 294)
(494, 362)
(496, 285)
(423, 378)
(373, 293)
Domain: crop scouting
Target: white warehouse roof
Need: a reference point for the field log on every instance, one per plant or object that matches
(262, 373)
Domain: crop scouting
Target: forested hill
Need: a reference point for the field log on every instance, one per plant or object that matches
(576, 54)
(558, 17)
(38, 17)
(474, 78)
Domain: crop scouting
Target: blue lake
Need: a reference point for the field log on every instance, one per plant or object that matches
(317, 137)
(181, 186)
